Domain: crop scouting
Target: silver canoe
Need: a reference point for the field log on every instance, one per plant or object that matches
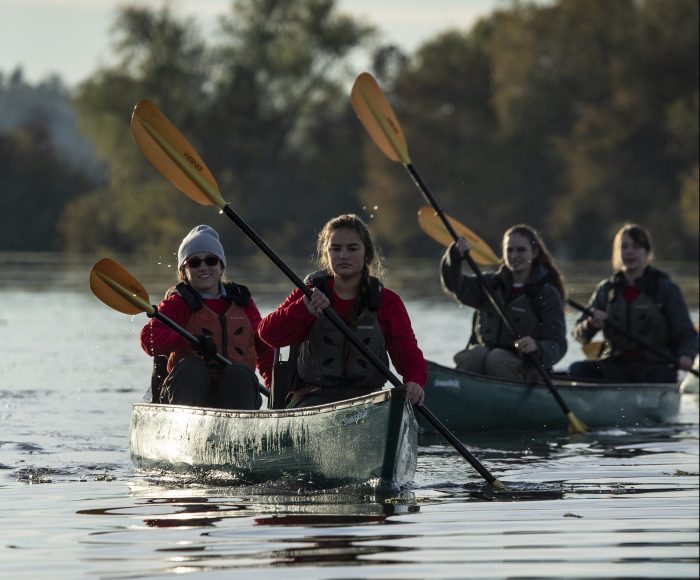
(370, 439)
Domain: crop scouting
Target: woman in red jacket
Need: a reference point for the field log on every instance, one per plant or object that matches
(224, 317)
(328, 367)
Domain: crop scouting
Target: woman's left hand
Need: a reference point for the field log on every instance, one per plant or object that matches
(685, 363)
(526, 345)
(415, 393)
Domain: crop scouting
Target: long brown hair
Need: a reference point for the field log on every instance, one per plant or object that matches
(543, 256)
(372, 266)
(639, 236)
(350, 221)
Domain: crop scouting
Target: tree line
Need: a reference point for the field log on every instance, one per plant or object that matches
(574, 116)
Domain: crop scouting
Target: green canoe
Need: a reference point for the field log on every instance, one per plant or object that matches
(367, 440)
(471, 402)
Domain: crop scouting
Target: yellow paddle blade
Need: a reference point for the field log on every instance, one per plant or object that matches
(375, 113)
(593, 349)
(118, 289)
(432, 225)
(171, 154)
(575, 424)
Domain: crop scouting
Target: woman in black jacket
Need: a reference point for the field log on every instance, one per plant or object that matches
(529, 289)
(648, 305)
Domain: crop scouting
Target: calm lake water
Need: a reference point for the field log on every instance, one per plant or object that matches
(609, 504)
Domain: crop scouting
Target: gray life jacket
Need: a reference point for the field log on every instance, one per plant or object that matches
(489, 329)
(325, 361)
(643, 318)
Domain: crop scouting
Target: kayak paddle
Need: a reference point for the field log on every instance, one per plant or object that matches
(173, 156)
(641, 342)
(377, 116)
(432, 225)
(118, 289)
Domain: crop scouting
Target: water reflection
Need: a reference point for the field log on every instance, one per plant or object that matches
(168, 506)
(618, 503)
(206, 518)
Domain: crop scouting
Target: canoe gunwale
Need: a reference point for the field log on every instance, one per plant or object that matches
(559, 382)
(371, 398)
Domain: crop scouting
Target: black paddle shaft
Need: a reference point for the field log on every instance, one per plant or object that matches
(338, 322)
(641, 342)
(331, 314)
(195, 341)
(502, 313)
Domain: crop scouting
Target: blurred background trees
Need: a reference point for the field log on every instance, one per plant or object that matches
(573, 116)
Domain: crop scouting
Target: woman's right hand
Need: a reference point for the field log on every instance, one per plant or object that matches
(597, 318)
(317, 303)
(462, 245)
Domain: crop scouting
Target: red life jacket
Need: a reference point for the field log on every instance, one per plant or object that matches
(231, 331)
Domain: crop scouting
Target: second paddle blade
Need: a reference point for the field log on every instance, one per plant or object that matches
(432, 225)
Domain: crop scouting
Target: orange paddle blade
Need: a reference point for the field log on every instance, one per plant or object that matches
(375, 113)
(118, 289)
(171, 154)
(432, 225)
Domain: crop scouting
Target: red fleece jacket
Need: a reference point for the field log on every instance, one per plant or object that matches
(158, 339)
(290, 324)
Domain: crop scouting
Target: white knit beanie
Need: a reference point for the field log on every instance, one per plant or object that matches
(200, 239)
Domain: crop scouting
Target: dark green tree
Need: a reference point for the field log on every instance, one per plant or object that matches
(36, 184)
(160, 58)
(285, 141)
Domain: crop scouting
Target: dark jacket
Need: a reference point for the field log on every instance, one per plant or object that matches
(668, 328)
(538, 311)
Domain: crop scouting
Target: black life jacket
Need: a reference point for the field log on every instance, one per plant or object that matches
(488, 328)
(286, 373)
(643, 318)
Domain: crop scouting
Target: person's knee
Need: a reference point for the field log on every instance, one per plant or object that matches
(471, 359)
(239, 388)
(187, 383)
(504, 364)
(191, 366)
(585, 369)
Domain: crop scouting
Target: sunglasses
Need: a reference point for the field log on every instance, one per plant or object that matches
(197, 262)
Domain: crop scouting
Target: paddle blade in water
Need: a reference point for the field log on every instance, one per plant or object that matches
(432, 225)
(575, 424)
(171, 154)
(375, 113)
(118, 289)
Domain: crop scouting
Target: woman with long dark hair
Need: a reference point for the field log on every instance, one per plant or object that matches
(529, 289)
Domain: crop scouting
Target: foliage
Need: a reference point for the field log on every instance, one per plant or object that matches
(574, 116)
(36, 185)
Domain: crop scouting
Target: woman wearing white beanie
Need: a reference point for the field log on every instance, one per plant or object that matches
(224, 317)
